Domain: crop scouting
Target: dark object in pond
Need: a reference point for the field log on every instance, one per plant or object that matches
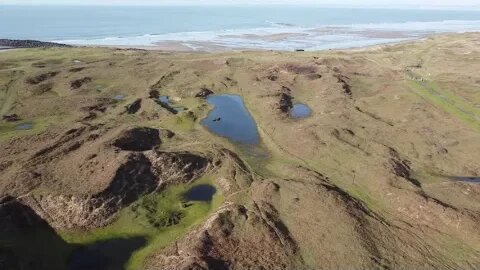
(78, 83)
(11, 117)
(468, 179)
(217, 119)
(24, 126)
(203, 193)
(300, 110)
(204, 92)
(237, 124)
(134, 106)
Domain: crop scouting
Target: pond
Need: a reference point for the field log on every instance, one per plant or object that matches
(468, 179)
(165, 102)
(24, 126)
(300, 110)
(231, 119)
(203, 193)
(119, 97)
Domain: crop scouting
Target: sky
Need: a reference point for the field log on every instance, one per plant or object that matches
(382, 3)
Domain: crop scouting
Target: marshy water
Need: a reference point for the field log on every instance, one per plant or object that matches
(231, 119)
(468, 179)
(165, 102)
(203, 193)
(119, 97)
(300, 110)
(24, 126)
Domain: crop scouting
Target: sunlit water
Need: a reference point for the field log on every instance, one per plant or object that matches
(230, 118)
(300, 110)
(260, 27)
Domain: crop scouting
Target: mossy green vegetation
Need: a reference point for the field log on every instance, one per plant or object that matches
(160, 218)
(9, 130)
(447, 101)
(183, 121)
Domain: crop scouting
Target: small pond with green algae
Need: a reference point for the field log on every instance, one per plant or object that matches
(160, 218)
(203, 193)
(165, 102)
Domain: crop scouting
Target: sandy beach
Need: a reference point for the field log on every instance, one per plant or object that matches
(316, 39)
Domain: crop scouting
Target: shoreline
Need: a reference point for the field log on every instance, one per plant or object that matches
(177, 47)
(212, 48)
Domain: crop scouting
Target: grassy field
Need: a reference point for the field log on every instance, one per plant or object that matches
(444, 99)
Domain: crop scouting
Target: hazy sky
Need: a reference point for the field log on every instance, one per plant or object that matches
(296, 2)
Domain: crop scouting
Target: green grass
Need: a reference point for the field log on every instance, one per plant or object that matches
(448, 102)
(139, 220)
(183, 121)
(9, 130)
(459, 251)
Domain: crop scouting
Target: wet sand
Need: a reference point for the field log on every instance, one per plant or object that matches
(315, 39)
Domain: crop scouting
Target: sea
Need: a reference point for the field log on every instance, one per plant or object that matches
(272, 27)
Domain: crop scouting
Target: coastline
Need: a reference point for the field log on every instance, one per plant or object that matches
(212, 47)
(179, 47)
(223, 28)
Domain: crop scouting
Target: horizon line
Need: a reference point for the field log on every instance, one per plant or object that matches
(370, 6)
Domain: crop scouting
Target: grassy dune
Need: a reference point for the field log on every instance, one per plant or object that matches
(365, 182)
